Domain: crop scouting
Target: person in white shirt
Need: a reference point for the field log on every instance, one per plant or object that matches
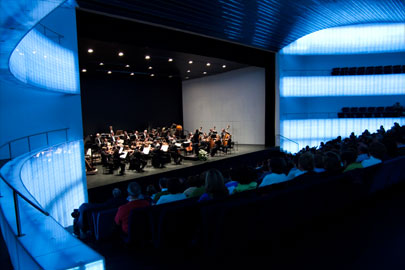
(175, 192)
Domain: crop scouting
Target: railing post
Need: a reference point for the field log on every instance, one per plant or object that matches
(17, 214)
(9, 150)
(29, 144)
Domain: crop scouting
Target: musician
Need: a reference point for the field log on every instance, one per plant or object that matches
(215, 145)
(98, 141)
(196, 141)
(118, 161)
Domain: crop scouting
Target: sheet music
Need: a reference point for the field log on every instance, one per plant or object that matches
(124, 154)
(146, 150)
(165, 147)
(88, 152)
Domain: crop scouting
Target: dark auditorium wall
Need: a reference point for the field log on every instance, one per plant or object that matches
(129, 104)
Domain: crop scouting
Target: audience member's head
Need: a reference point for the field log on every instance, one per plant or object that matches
(318, 160)
(150, 190)
(348, 156)
(306, 162)
(245, 175)
(332, 162)
(116, 192)
(174, 186)
(163, 182)
(134, 190)
(278, 165)
(214, 183)
(378, 150)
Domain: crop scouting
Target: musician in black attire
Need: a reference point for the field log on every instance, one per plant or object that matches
(136, 161)
(196, 141)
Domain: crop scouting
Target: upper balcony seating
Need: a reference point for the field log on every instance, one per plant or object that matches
(370, 70)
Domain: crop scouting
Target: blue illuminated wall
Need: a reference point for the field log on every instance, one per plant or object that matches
(54, 177)
(310, 97)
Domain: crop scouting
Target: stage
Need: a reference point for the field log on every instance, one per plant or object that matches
(100, 185)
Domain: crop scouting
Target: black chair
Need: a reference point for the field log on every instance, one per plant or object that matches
(369, 70)
(370, 112)
(346, 112)
(389, 111)
(335, 71)
(403, 69)
(387, 69)
(352, 71)
(361, 70)
(378, 70)
(379, 112)
(396, 69)
(344, 71)
(341, 115)
(362, 112)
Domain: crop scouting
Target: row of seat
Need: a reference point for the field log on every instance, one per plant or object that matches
(256, 216)
(368, 70)
(370, 112)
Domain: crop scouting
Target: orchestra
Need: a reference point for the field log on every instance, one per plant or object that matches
(160, 145)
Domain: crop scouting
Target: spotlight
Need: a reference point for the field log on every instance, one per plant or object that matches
(190, 62)
(120, 54)
(84, 70)
(109, 72)
(132, 74)
(170, 76)
(223, 66)
(205, 72)
(208, 64)
(90, 50)
(188, 71)
(150, 67)
(127, 66)
(170, 60)
(101, 64)
(152, 75)
(147, 57)
(186, 78)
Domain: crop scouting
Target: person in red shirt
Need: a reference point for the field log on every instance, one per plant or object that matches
(136, 200)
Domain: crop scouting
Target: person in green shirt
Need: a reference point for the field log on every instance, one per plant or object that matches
(349, 160)
(246, 178)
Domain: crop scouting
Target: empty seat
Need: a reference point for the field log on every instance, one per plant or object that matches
(369, 70)
(335, 71)
(387, 69)
(396, 69)
(352, 71)
(344, 71)
(378, 70)
(361, 71)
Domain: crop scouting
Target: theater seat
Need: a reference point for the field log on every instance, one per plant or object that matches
(361, 71)
(352, 71)
(378, 70)
(369, 70)
(335, 71)
(104, 225)
(387, 69)
(396, 69)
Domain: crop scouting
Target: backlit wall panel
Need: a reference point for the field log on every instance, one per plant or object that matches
(354, 39)
(313, 131)
(40, 61)
(54, 178)
(364, 85)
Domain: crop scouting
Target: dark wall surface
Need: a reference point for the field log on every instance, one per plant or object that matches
(129, 104)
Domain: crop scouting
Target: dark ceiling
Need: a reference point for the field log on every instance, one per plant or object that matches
(265, 24)
(105, 61)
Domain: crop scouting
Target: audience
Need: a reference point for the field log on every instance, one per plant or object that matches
(195, 186)
(163, 189)
(135, 200)
(214, 186)
(277, 175)
(349, 160)
(175, 192)
(246, 178)
(377, 154)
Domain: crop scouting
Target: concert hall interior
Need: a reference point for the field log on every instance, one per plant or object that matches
(202, 134)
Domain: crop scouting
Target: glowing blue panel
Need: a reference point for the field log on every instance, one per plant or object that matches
(355, 39)
(314, 131)
(362, 85)
(56, 179)
(41, 62)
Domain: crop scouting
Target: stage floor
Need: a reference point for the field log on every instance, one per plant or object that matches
(101, 179)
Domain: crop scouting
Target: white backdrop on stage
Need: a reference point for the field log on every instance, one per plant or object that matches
(236, 98)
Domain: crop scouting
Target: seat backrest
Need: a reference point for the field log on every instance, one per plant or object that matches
(104, 224)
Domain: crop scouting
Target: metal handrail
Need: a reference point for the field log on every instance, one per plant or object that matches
(59, 36)
(17, 193)
(285, 138)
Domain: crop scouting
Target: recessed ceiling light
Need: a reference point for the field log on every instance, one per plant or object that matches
(205, 72)
(170, 76)
(188, 71)
(132, 74)
(147, 57)
(223, 66)
(208, 64)
(170, 60)
(150, 67)
(109, 72)
(186, 78)
(120, 54)
(152, 75)
(90, 50)
(101, 64)
(190, 62)
(127, 66)
(84, 70)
